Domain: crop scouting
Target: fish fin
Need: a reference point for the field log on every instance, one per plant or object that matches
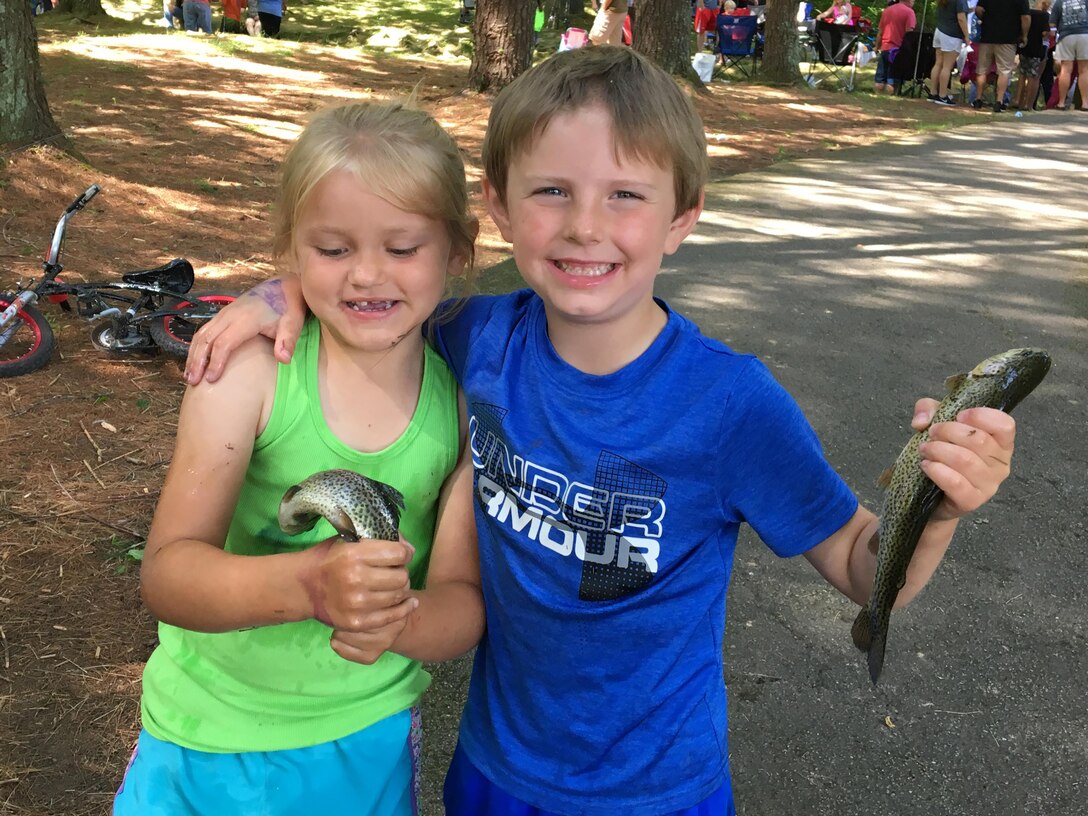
(342, 523)
(391, 494)
(290, 493)
(876, 654)
(860, 630)
(953, 382)
(874, 542)
(886, 477)
(394, 501)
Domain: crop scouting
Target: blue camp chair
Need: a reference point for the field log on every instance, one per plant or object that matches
(737, 41)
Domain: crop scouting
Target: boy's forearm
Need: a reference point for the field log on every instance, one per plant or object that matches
(197, 586)
(927, 557)
(448, 622)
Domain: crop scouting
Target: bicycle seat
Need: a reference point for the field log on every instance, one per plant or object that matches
(177, 276)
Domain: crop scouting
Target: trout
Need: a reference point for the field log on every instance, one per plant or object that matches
(1001, 382)
(356, 507)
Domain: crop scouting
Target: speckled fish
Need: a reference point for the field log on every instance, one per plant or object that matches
(1001, 382)
(357, 507)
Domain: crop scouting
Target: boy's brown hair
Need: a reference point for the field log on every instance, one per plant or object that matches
(652, 119)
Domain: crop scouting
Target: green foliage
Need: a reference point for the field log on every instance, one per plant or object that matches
(124, 553)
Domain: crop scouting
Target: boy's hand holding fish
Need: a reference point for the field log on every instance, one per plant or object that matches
(968, 459)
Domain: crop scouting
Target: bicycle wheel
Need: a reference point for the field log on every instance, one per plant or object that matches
(27, 343)
(174, 333)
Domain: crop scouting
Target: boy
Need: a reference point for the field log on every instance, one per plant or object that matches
(616, 452)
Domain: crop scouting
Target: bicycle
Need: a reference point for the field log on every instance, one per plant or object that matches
(146, 310)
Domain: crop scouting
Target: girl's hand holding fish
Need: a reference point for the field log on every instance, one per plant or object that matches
(360, 586)
(367, 647)
(967, 458)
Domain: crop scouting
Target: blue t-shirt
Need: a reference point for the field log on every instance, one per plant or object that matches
(607, 510)
(274, 7)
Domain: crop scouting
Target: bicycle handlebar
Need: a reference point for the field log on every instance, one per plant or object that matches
(82, 201)
(52, 265)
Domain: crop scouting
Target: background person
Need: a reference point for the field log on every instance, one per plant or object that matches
(1033, 55)
(840, 13)
(270, 14)
(608, 24)
(1003, 26)
(895, 21)
(1071, 19)
(197, 15)
(706, 22)
(948, 40)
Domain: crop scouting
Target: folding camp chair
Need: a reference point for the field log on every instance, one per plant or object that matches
(835, 48)
(913, 64)
(736, 41)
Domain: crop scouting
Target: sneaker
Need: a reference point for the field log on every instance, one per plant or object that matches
(1000, 106)
(977, 104)
(933, 97)
(944, 100)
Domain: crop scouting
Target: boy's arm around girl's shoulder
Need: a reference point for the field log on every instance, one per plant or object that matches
(448, 619)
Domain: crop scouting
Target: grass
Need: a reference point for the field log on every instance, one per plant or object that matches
(374, 26)
(125, 553)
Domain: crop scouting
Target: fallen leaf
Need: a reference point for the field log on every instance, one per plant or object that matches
(888, 722)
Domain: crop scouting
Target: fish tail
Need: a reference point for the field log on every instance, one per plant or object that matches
(860, 630)
(870, 637)
(876, 654)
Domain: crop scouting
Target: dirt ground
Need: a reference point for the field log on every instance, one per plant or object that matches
(183, 134)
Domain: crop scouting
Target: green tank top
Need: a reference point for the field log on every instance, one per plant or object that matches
(280, 687)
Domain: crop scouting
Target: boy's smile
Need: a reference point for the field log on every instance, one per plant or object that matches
(589, 230)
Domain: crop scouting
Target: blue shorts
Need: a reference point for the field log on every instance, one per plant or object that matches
(884, 67)
(468, 792)
(373, 771)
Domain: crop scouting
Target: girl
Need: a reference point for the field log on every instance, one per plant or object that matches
(948, 40)
(247, 706)
(839, 13)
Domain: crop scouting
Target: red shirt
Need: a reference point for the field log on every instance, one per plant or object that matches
(895, 21)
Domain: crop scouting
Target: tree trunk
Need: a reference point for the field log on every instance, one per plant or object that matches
(664, 35)
(780, 52)
(503, 40)
(83, 9)
(24, 112)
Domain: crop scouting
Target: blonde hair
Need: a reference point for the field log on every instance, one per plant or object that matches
(652, 119)
(399, 153)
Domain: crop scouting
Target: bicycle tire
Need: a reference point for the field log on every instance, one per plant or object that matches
(31, 341)
(174, 333)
